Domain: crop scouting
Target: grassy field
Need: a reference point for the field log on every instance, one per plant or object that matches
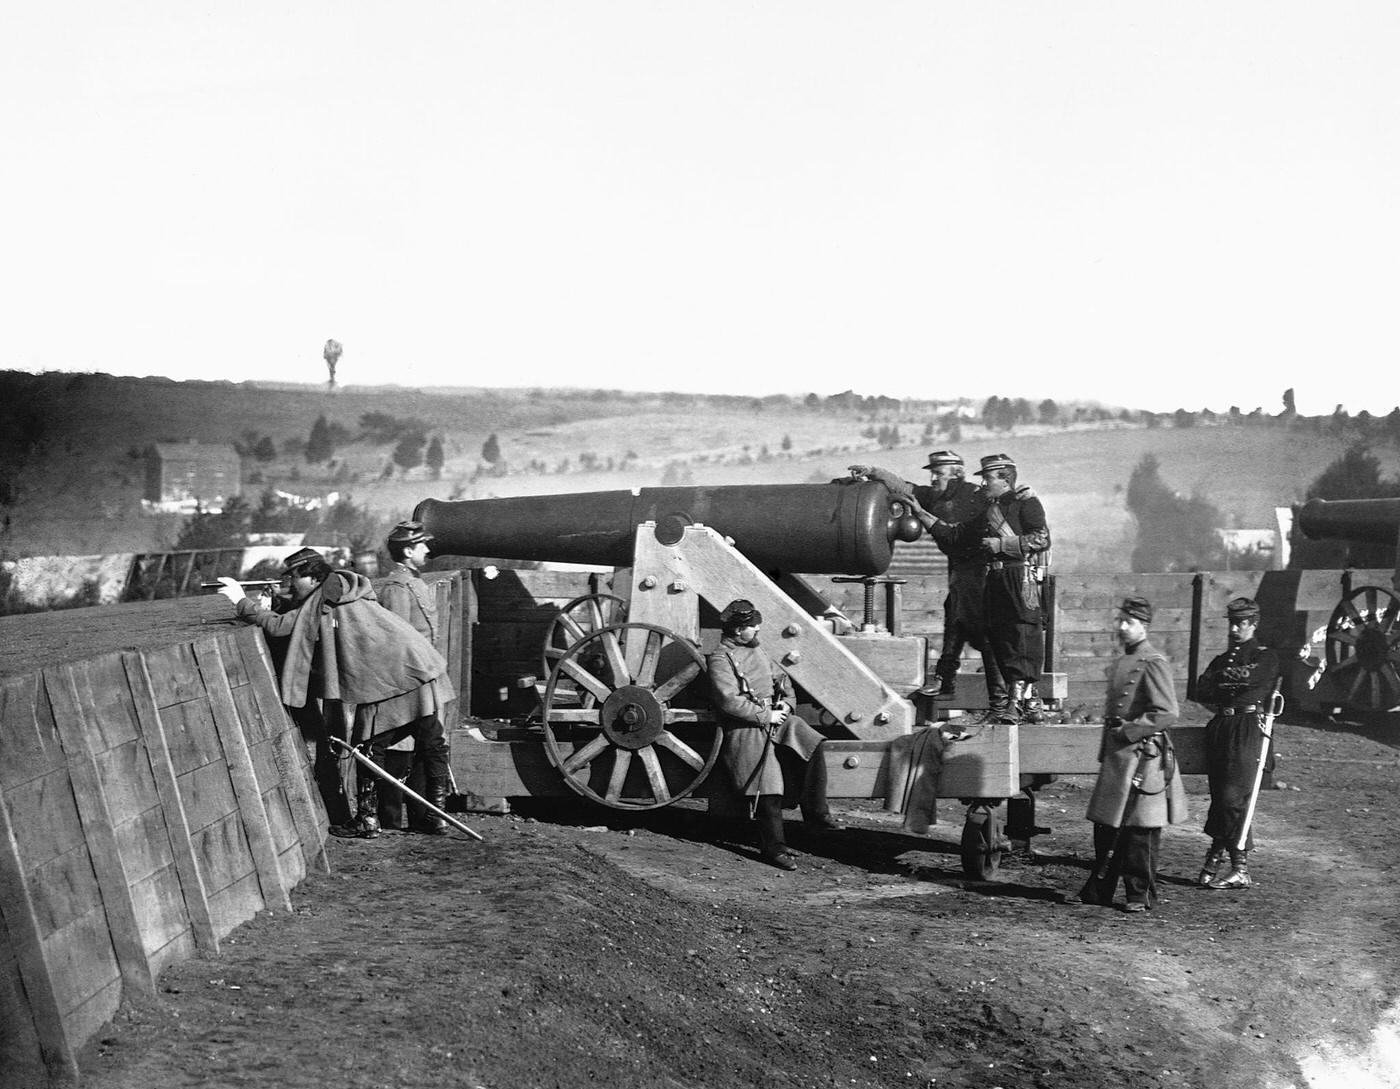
(81, 494)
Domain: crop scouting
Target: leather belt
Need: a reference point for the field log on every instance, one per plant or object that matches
(1247, 709)
(999, 565)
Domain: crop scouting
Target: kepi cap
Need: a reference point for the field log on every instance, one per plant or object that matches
(299, 559)
(1242, 608)
(1139, 608)
(995, 461)
(740, 613)
(942, 457)
(409, 533)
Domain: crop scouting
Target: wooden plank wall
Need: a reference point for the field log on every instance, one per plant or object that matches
(150, 801)
(515, 610)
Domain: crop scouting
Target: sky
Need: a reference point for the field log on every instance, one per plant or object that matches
(1159, 205)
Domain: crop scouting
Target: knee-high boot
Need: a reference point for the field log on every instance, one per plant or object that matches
(436, 787)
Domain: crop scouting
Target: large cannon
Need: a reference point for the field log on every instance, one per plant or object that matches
(839, 528)
(623, 721)
(1363, 633)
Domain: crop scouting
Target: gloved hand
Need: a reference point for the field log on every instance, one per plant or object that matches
(893, 483)
(231, 589)
(991, 546)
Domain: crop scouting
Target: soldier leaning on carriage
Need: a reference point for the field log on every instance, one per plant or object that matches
(755, 704)
(1240, 685)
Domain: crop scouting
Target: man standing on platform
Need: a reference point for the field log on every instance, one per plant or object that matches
(1240, 684)
(951, 497)
(1013, 537)
(1138, 790)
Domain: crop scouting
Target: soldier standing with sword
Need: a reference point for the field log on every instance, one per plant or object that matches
(1243, 686)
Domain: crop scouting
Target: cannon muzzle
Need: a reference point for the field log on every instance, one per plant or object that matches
(1375, 520)
(839, 528)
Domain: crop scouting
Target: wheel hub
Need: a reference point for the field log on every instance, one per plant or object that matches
(1372, 648)
(632, 717)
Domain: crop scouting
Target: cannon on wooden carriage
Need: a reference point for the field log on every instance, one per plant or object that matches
(624, 719)
(1362, 653)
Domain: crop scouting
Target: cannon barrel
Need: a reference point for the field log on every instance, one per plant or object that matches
(1351, 520)
(838, 528)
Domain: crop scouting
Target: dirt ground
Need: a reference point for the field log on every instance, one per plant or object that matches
(579, 946)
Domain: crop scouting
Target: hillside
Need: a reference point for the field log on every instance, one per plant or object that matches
(77, 486)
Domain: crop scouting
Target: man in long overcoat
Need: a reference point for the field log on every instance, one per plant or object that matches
(1240, 685)
(404, 593)
(1138, 790)
(755, 704)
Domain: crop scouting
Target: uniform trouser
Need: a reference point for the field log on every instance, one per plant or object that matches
(1015, 632)
(429, 749)
(1233, 744)
(963, 626)
(1135, 852)
(768, 808)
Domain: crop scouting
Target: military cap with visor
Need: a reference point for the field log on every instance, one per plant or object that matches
(940, 458)
(1139, 608)
(1242, 608)
(409, 533)
(993, 462)
(293, 564)
(740, 613)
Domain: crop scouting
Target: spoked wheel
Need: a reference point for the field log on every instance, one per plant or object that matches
(981, 840)
(1362, 654)
(577, 620)
(627, 747)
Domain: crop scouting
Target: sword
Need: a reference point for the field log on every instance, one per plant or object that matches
(1266, 727)
(366, 762)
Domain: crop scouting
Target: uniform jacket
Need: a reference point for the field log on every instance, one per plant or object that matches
(962, 501)
(1243, 675)
(1142, 697)
(344, 646)
(406, 595)
(744, 687)
(1016, 521)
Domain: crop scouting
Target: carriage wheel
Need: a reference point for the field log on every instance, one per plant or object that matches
(1362, 654)
(628, 748)
(577, 620)
(981, 841)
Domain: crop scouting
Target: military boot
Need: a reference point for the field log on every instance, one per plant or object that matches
(430, 823)
(1238, 877)
(366, 822)
(1031, 705)
(1006, 710)
(1215, 855)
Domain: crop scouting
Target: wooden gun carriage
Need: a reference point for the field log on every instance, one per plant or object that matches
(1362, 641)
(624, 719)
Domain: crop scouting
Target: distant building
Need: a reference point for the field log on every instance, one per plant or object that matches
(185, 475)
